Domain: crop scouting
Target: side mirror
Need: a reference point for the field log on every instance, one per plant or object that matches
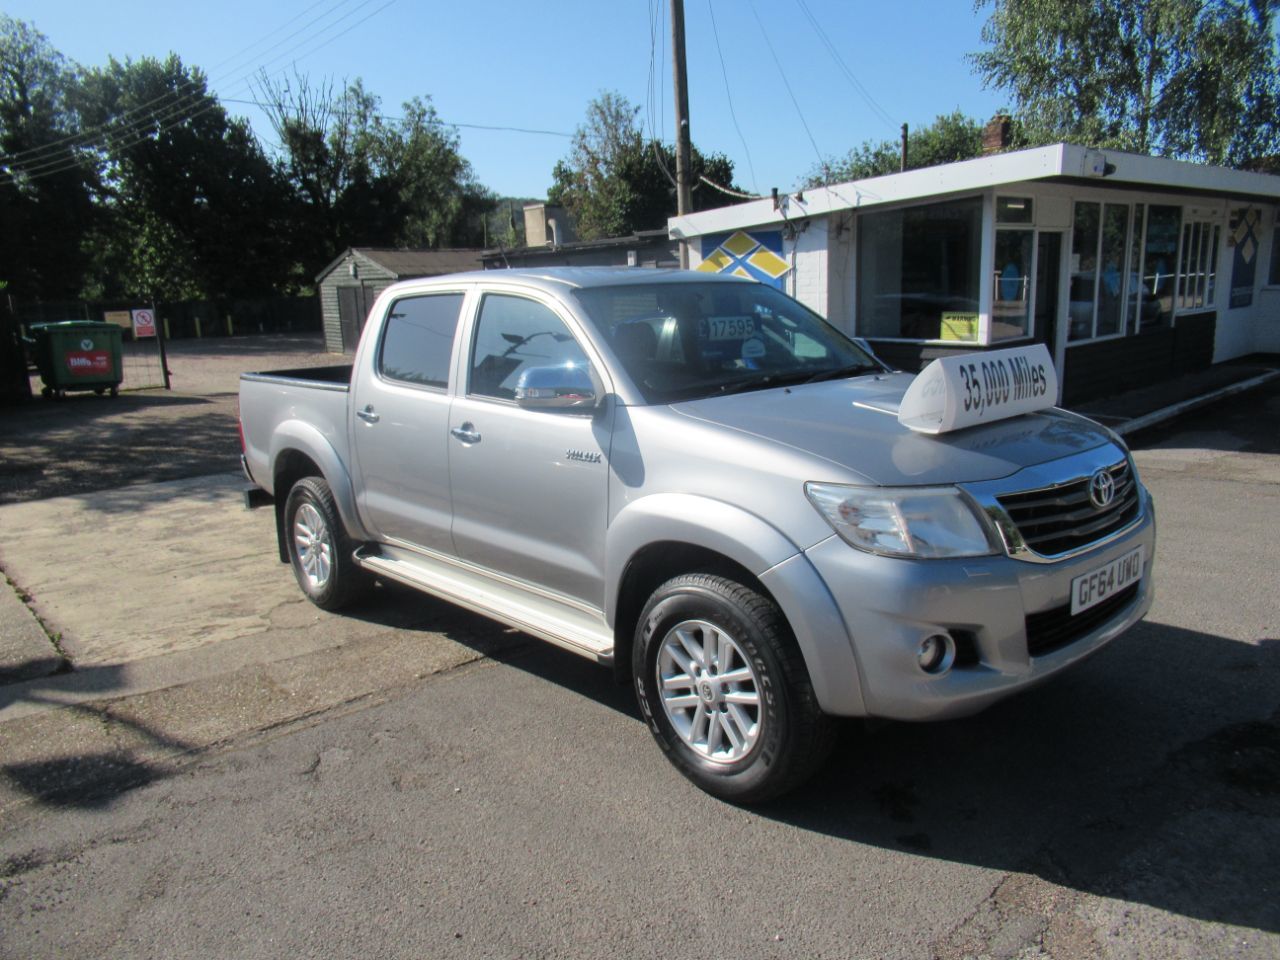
(569, 386)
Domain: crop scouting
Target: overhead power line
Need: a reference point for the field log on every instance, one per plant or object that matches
(728, 92)
(185, 88)
(786, 83)
(189, 105)
(729, 190)
(849, 75)
(653, 105)
(445, 123)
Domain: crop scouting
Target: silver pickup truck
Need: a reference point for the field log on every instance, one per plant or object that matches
(700, 482)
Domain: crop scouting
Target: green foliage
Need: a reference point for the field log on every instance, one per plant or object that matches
(949, 138)
(503, 226)
(362, 179)
(131, 179)
(616, 182)
(193, 207)
(47, 183)
(1196, 79)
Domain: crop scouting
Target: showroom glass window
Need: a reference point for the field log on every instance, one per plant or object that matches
(1011, 280)
(1159, 262)
(1198, 266)
(918, 272)
(1101, 278)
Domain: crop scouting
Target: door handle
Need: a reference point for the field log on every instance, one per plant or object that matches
(466, 433)
(367, 414)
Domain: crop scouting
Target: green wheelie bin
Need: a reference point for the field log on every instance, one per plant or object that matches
(78, 355)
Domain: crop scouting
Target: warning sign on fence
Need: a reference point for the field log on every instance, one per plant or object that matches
(144, 324)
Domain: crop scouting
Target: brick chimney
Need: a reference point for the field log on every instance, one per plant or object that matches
(997, 134)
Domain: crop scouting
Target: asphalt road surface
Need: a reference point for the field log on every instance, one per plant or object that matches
(514, 806)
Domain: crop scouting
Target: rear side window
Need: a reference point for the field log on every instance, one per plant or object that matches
(417, 341)
(511, 334)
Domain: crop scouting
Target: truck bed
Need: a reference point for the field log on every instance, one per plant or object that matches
(336, 375)
(308, 404)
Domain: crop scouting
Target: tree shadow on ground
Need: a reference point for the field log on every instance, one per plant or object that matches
(91, 779)
(63, 457)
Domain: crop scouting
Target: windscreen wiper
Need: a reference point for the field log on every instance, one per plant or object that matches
(764, 381)
(852, 370)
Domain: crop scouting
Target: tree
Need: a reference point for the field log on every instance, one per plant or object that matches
(48, 180)
(362, 179)
(949, 138)
(1196, 79)
(192, 206)
(615, 182)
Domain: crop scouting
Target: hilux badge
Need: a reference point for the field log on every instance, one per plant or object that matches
(1102, 489)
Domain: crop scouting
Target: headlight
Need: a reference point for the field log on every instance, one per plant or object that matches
(925, 522)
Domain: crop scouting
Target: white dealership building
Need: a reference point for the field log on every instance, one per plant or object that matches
(1130, 269)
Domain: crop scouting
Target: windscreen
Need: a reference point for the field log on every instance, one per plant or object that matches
(684, 341)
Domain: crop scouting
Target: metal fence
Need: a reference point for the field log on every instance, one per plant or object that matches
(144, 363)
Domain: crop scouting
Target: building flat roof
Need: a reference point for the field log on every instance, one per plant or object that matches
(1062, 162)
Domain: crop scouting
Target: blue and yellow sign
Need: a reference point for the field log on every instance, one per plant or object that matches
(1244, 237)
(756, 255)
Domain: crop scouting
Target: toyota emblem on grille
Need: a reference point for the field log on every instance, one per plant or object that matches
(1102, 489)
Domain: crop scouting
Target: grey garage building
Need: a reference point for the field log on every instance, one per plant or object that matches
(349, 285)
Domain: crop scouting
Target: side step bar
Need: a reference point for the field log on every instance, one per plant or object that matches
(574, 628)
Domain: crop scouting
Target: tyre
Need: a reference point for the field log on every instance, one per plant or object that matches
(725, 691)
(321, 553)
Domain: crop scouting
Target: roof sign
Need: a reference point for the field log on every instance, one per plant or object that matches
(955, 392)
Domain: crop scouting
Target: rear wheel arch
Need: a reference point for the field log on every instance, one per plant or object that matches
(290, 467)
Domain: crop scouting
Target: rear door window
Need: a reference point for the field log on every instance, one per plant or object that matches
(417, 340)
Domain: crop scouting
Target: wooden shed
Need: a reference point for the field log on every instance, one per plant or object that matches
(349, 285)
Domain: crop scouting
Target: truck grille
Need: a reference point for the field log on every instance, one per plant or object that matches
(1054, 520)
(1053, 629)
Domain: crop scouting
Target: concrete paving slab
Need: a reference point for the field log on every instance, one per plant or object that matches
(147, 570)
(25, 649)
(161, 585)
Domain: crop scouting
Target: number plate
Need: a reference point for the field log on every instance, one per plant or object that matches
(1090, 589)
(729, 328)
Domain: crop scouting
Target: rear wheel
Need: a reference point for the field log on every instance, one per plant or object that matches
(725, 691)
(321, 553)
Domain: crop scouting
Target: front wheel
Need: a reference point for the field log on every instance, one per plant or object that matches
(725, 691)
(320, 551)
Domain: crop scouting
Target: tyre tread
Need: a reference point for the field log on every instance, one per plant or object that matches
(811, 734)
(349, 582)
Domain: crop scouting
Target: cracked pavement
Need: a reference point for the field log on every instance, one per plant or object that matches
(259, 778)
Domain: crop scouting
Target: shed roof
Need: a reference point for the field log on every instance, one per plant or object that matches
(411, 263)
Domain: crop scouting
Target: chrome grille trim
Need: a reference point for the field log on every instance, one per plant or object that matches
(1043, 518)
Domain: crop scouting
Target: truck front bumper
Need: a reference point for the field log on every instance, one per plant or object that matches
(1011, 621)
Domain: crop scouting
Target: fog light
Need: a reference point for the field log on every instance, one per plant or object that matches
(936, 654)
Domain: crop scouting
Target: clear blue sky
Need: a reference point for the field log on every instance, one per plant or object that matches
(529, 64)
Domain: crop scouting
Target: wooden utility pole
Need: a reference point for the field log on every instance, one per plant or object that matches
(903, 165)
(684, 192)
